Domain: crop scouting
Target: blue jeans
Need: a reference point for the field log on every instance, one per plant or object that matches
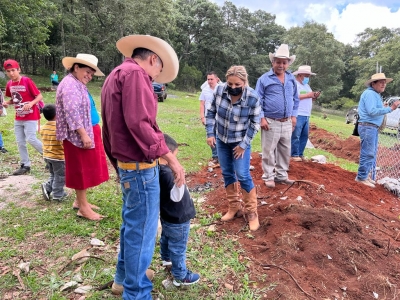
(300, 136)
(140, 210)
(235, 169)
(368, 151)
(173, 241)
(1, 141)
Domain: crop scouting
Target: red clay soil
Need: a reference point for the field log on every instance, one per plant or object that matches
(348, 149)
(325, 237)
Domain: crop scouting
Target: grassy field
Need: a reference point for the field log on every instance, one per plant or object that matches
(47, 234)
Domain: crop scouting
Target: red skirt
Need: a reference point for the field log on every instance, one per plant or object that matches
(85, 168)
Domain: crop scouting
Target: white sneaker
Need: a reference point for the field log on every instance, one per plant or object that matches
(372, 181)
(366, 182)
(166, 263)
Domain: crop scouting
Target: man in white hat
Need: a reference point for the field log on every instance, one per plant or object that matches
(133, 143)
(371, 112)
(279, 101)
(306, 96)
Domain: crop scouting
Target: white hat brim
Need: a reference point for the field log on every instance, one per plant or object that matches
(303, 72)
(167, 54)
(290, 58)
(68, 62)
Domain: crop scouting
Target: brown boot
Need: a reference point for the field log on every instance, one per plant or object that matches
(234, 204)
(250, 202)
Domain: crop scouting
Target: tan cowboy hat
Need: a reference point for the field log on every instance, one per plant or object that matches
(84, 59)
(304, 70)
(376, 77)
(170, 61)
(282, 52)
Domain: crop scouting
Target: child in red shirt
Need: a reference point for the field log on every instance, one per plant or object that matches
(25, 97)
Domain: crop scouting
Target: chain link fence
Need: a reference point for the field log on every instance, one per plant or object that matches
(388, 160)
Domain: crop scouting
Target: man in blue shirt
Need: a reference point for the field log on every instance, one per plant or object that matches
(279, 101)
(371, 112)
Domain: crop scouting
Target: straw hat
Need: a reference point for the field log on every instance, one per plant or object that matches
(84, 59)
(170, 61)
(376, 77)
(282, 52)
(304, 70)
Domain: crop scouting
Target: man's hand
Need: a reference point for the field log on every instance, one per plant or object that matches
(395, 105)
(264, 124)
(176, 168)
(203, 120)
(211, 142)
(294, 121)
(316, 95)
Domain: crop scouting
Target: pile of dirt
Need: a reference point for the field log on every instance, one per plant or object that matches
(325, 237)
(348, 149)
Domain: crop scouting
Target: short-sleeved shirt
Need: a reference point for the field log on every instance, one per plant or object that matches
(207, 95)
(52, 148)
(305, 105)
(22, 92)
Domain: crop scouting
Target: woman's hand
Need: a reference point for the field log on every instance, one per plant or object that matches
(264, 124)
(238, 152)
(211, 142)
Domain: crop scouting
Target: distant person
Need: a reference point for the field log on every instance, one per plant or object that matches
(54, 79)
(306, 97)
(235, 113)
(78, 127)
(175, 214)
(371, 112)
(25, 97)
(53, 154)
(279, 101)
(2, 114)
(206, 97)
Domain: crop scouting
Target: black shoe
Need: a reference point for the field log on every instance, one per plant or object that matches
(23, 170)
(3, 150)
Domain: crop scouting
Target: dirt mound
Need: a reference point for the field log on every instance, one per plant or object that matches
(326, 236)
(348, 149)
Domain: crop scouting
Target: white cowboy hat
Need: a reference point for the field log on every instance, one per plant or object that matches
(84, 59)
(167, 54)
(282, 52)
(304, 70)
(376, 77)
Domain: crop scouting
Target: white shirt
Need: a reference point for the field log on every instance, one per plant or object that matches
(305, 105)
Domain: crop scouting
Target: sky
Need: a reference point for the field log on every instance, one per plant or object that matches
(345, 19)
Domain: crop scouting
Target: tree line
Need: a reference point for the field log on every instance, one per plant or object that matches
(206, 36)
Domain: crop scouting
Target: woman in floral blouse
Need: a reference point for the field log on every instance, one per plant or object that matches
(77, 126)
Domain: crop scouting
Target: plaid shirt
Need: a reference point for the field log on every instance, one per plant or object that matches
(238, 122)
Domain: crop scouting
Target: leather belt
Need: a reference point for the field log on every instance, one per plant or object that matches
(367, 124)
(135, 165)
(280, 120)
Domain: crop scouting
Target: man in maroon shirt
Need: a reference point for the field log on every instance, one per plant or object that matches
(133, 143)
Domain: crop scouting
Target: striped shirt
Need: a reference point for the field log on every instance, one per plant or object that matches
(52, 149)
(238, 122)
(278, 100)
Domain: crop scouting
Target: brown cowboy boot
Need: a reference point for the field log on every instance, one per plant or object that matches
(250, 202)
(234, 203)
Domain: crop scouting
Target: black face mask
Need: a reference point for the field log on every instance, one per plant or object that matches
(234, 91)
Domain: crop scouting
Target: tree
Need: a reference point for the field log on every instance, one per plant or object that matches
(314, 46)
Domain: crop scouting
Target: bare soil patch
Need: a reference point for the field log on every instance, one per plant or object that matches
(325, 237)
(18, 189)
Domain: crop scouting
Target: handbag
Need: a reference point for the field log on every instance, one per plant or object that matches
(4, 113)
(355, 130)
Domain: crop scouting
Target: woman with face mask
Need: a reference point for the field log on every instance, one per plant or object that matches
(235, 110)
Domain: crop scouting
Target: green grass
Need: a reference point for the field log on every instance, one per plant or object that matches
(48, 234)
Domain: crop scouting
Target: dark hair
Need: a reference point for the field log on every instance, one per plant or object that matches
(212, 73)
(80, 66)
(142, 53)
(49, 112)
(171, 143)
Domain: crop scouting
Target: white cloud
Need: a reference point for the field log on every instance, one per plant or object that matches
(345, 21)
